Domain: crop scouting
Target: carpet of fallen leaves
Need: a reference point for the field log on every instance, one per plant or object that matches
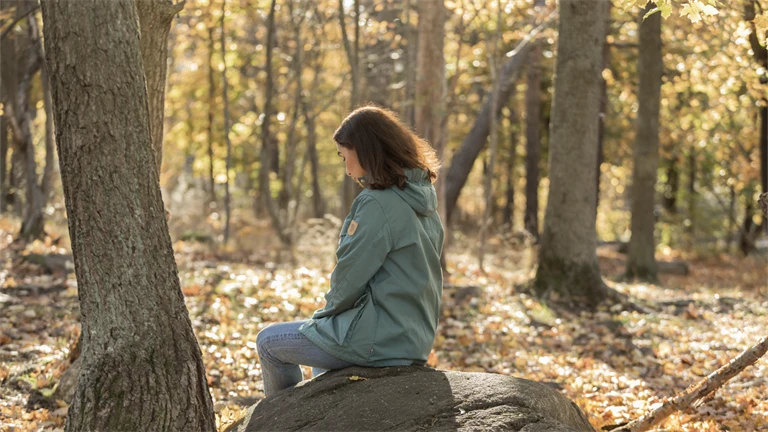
(615, 364)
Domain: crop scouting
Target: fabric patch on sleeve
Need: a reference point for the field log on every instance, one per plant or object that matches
(352, 228)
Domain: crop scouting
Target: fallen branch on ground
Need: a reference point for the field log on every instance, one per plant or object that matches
(697, 391)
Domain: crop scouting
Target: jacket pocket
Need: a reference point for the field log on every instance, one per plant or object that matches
(339, 327)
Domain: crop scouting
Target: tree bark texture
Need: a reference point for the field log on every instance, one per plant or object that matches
(567, 257)
(641, 262)
(142, 368)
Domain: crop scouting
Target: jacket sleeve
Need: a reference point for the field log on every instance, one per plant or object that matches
(360, 255)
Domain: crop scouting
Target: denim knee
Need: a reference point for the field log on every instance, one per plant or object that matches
(261, 339)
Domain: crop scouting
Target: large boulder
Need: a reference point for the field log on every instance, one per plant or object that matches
(414, 399)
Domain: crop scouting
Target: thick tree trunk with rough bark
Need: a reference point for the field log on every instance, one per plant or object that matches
(641, 262)
(142, 368)
(533, 137)
(156, 17)
(567, 256)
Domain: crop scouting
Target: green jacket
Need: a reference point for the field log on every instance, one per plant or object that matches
(383, 305)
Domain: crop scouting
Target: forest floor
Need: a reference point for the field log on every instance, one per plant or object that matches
(616, 365)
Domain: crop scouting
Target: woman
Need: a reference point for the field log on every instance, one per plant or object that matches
(382, 308)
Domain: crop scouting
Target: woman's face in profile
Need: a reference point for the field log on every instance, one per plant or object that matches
(351, 164)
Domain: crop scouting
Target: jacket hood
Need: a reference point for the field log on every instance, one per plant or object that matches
(419, 192)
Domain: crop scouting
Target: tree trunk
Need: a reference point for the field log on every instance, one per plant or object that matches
(641, 262)
(732, 225)
(567, 256)
(349, 188)
(50, 142)
(509, 206)
(286, 193)
(669, 200)
(3, 160)
(266, 137)
(211, 103)
(318, 203)
(411, 55)
(155, 18)
(225, 98)
(21, 114)
(747, 237)
(430, 108)
(492, 51)
(533, 136)
(691, 229)
(142, 368)
(764, 149)
(603, 107)
(464, 158)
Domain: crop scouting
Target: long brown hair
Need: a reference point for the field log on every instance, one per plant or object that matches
(385, 147)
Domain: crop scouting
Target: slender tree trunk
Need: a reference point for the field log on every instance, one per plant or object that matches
(266, 137)
(567, 257)
(3, 161)
(731, 220)
(494, 136)
(211, 103)
(603, 107)
(21, 114)
(533, 136)
(669, 200)
(350, 189)
(430, 108)
(691, 228)
(764, 149)
(286, 193)
(318, 203)
(509, 206)
(50, 142)
(464, 158)
(641, 262)
(155, 18)
(142, 368)
(747, 237)
(225, 96)
(411, 56)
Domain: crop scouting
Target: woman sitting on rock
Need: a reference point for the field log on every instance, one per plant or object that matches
(383, 304)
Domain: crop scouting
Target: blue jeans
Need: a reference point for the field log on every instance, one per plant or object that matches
(282, 348)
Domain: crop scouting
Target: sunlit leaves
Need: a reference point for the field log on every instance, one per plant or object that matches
(694, 10)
